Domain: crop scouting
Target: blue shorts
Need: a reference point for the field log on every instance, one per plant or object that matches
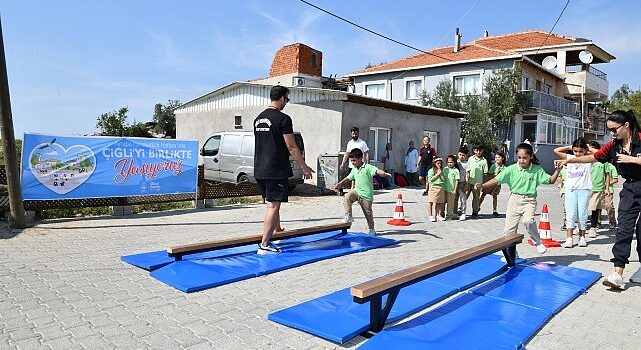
(422, 171)
(274, 190)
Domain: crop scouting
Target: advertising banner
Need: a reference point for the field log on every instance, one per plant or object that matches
(71, 167)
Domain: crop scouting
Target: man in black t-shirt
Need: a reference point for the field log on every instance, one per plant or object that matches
(274, 135)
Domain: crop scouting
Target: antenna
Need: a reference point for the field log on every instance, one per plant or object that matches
(549, 62)
(586, 56)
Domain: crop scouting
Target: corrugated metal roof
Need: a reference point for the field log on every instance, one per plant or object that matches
(243, 94)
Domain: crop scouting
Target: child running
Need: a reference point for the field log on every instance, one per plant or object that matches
(452, 176)
(523, 178)
(578, 188)
(598, 191)
(495, 169)
(363, 191)
(436, 193)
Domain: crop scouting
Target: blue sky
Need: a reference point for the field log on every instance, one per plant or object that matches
(70, 61)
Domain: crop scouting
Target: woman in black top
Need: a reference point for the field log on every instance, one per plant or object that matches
(624, 151)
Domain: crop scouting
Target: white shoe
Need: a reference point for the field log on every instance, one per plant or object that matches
(582, 242)
(372, 232)
(568, 243)
(431, 218)
(614, 281)
(592, 234)
(462, 217)
(348, 219)
(541, 248)
(440, 218)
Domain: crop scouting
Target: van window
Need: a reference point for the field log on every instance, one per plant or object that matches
(212, 146)
(247, 148)
(232, 145)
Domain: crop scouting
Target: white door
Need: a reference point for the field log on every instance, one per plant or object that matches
(211, 163)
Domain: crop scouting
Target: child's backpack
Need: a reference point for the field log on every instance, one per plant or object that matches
(400, 179)
(377, 183)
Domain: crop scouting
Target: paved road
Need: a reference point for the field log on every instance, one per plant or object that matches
(64, 286)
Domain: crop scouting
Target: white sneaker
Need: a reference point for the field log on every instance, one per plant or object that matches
(582, 242)
(592, 234)
(568, 243)
(462, 217)
(372, 232)
(431, 218)
(541, 248)
(269, 249)
(614, 281)
(348, 219)
(440, 218)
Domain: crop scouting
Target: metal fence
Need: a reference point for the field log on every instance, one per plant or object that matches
(205, 190)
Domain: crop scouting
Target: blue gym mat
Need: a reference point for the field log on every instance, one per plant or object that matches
(154, 260)
(198, 274)
(503, 313)
(337, 318)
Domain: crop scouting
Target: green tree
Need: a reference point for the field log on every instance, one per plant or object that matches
(18, 152)
(626, 99)
(138, 130)
(478, 124)
(113, 123)
(165, 119)
(503, 100)
(444, 96)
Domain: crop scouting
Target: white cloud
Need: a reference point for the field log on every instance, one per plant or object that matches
(167, 46)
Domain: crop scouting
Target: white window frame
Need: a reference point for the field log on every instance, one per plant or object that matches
(406, 81)
(373, 144)
(433, 138)
(463, 74)
(565, 131)
(376, 82)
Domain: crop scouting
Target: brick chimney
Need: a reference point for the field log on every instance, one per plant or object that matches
(297, 58)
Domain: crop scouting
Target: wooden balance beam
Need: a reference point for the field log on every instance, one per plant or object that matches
(178, 251)
(372, 291)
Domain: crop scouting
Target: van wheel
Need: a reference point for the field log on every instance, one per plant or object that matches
(243, 178)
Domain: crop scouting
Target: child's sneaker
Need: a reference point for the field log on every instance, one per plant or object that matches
(269, 249)
(614, 280)
(592, 233)
(541, 248)
(462, 217)
(348, 219)
(440, 218)
(431, 218)
(475, 215)
(582, 242)
(568, 243)
(372, 232)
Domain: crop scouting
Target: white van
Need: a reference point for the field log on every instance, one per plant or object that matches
(229, 156)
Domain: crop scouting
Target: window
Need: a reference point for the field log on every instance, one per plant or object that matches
(529, 131)
(525, 83)
(212, 146)
(548, 89)
(467, 84)
(413, 89)
(556, 130)
(238, 122)
(377, 139)
(375, 90)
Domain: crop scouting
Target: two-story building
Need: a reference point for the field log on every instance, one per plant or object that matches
(557, 72)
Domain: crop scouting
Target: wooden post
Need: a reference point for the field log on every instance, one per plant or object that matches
(17, 218)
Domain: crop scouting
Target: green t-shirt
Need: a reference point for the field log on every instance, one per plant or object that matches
(598, 177)
(612, 171)
(438, 181)
(452, 175)
(363, 178)
(563, 174)
(495, 170)
(477, 168)
(523, 181)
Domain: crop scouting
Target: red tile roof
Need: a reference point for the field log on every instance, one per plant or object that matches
(491, 47)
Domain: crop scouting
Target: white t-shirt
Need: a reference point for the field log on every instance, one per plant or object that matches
(465, 166)
(356, 144)
(579, 176)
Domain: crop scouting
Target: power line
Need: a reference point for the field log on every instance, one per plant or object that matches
(554, 26)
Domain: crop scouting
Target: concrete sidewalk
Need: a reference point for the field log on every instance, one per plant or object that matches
(64, 286)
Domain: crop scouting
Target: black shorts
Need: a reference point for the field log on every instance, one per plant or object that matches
(422, 171)
(274, 190)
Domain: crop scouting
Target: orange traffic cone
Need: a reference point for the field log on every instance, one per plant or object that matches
(545, 230)
(399, 214)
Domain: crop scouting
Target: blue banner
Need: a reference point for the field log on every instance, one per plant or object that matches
(65, 167)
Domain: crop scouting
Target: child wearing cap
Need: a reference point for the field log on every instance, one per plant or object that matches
(436, 193)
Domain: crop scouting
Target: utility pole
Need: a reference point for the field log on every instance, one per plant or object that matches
(17, 218)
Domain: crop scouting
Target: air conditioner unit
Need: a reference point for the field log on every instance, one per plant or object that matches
(298, 81)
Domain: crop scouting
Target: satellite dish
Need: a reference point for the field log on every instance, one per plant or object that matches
(549, 62)
(586, 57)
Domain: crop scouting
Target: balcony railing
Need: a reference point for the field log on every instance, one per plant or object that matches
(552, 103)
(580, 67)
